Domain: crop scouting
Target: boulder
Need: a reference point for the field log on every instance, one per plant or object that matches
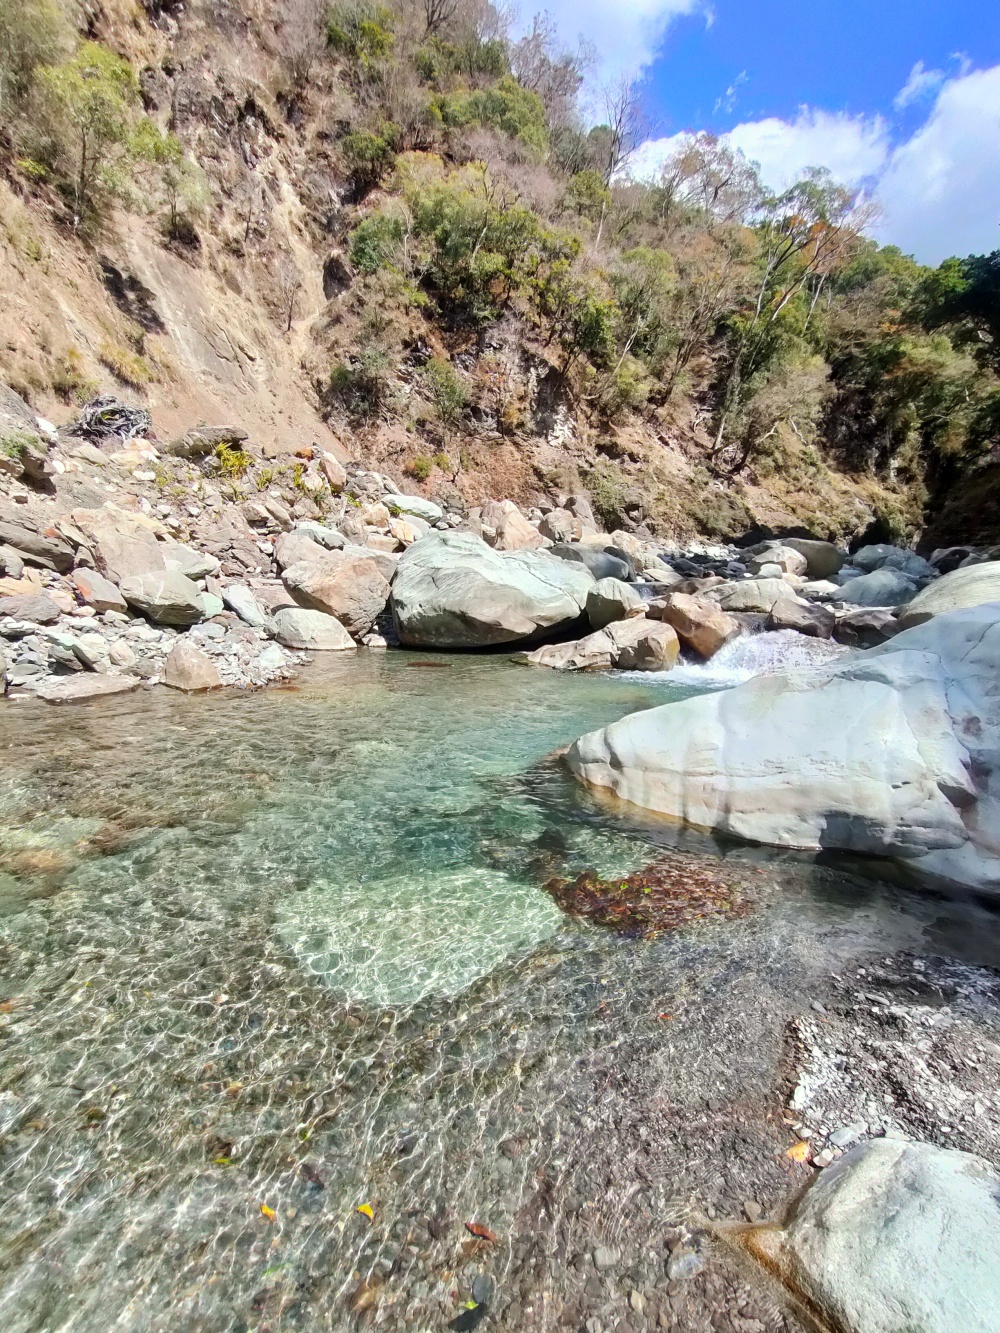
(334, 472)
(36, 607)
(188, 668)
(602, 562)
(823, 559)
(610, 600)
(866, 629)
(11, 564)
(168, 598)
(204, 440)
(350, 587)
(415, 505)
(97, 591)
(239, 599)
(893, 753)
(561, 526)
(895, 1237)
(384, 562)
(185, 560)
(884, 587)
(636, 645)
(581, 508)
(122, 546)
(37, 548)
(505, 528)
(451, 590)
(699, 623)
(807, 618)
(329, 538)
(313, 630)
(79, 689)
(787, 559)
(883, 556)
(970, 586)
(296, 547)
(406, 531)
(750, 595)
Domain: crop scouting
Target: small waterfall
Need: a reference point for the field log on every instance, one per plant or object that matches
(747, 656)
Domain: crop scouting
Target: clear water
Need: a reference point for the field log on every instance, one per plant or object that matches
(289, 950)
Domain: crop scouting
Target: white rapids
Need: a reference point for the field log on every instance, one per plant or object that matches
(750, 655)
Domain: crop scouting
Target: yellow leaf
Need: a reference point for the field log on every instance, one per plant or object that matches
(368, 1211)
(269, 1213)
(799, 1152)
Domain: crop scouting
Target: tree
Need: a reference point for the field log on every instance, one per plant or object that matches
(623, 127)
(554, 74)
(438, 14)
(32, 33)
(92, 103)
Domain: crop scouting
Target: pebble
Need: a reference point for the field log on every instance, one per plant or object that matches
(753, 1211)
(684, 1265)
(482, 1289)
(605, 1257)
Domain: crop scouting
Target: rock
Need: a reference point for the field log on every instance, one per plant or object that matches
(97, 591)
(561, 526)
(821, 588)
(768, 571)
(187, 561)
(187, 668)
(895, 1237)
(298, 628)
(122, 546)
(700, 624)
(947, 558)
(296, 547)
(333, 471)
(204, 440)
(808, 618)
(883, 587)
(636, 645)
(79, 689)
(750, 595)
(823, 559)
(580, 506)
(380, 541)
(350, 587)
(121, 655)
(329, 538)
(11, 564)
(406, 531)
(37, 608)
(384, 562)
(506, 529)
(413, 504)
(3, 671)
(610, 600)
(376, 516)
(606, 1258)
(602, 563)
(168, 598)
(452, 591)
(241, 600)
(684, 1265)
(211, 605)
(37, 548)
(971, 586)
(882, 556)
(866, 629)
(786, 558)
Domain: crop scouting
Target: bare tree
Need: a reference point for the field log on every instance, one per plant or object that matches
(624, 125)
(289, 284)
(438, 14)
(555, 74)
(301, 38)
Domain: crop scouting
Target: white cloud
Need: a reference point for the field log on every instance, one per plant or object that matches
(626, 37)
(941, 189)
(852, 147)
(921, 83)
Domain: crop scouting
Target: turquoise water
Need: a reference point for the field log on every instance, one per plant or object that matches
(290, 949)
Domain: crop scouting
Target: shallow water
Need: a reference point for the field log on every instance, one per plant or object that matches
(289, 951)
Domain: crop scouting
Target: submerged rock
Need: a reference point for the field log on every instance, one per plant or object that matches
(451, 590)
(78, 689)
(894, 1237)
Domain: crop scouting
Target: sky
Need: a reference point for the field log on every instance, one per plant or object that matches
(901, 99)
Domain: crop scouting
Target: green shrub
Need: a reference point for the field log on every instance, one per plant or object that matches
(369, 157)
(506, 106)
(15, 444)
(420, 467)
(374, 243)
(588, 195)
(445, 389)
(364, 387)
(232, 461)
(363, 33)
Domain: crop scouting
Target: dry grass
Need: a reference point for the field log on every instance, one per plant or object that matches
(128, 367)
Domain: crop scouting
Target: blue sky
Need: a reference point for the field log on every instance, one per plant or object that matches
(900, 99)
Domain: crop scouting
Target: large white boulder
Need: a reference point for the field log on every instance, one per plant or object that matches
(891, 752)
(968, 586)
(896, 1237)
(451, 590)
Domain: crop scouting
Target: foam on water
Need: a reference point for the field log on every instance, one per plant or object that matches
(749, 655)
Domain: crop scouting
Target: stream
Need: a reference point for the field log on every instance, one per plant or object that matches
(292, 1038)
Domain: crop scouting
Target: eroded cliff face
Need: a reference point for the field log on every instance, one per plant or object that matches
(242, 319)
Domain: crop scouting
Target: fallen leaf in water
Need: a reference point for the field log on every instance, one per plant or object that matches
(664, 1016)
(365, 1295)
(367, 1210)
(484, 1233)
(222, 1161)
(269, 1213)
(798, 1152)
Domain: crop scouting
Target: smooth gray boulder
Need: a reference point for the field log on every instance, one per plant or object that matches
(610, 600)
(895, 1237)
(823, 559)
(807, 618)
(882, 556)
(296, 627)
(329, 538)
(970, 586)
(240, 600)
(632, 645)
(350, 587)
(80, 689)
(413, 504)
(451, 590)
(168, 598)
(893, 752)
(784, 557)
(185, 560)
(36, 607)
(602, 563)
(750, 595)
(884, 587)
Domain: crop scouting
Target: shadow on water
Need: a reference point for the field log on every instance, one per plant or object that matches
(294, 957)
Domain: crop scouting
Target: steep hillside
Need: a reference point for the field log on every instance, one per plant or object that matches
(384, 231)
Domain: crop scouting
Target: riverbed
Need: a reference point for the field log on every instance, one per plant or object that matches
(292, 1038)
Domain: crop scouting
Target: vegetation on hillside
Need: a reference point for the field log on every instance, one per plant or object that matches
(485, 220)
